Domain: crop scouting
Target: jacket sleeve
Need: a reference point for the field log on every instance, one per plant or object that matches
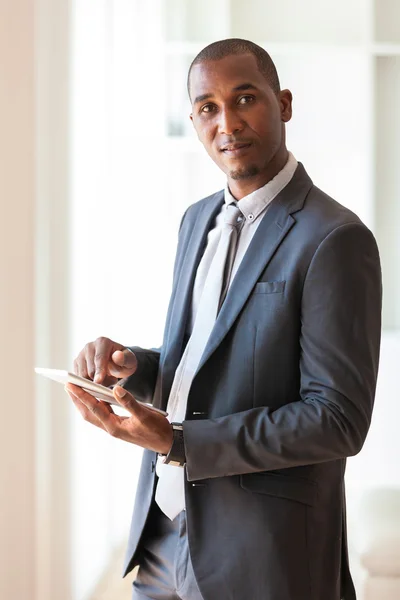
(339, 341)
(142, 383)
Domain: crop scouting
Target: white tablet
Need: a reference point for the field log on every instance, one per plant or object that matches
(95, 389)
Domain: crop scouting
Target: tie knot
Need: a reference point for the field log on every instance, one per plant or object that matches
(233, 216)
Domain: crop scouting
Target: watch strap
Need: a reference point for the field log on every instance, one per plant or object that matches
(176, 456)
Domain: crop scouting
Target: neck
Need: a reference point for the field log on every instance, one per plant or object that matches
(243, 187)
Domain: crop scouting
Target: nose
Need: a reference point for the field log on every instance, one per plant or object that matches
(229, 122)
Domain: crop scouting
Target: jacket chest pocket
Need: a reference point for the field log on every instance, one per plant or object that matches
(269, 287)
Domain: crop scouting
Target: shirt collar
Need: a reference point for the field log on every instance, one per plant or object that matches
(254, 204)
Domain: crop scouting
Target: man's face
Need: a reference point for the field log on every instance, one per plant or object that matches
(237, 116)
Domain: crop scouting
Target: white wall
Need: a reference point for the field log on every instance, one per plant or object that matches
(377, 465)
(53, 411)
(116, 245)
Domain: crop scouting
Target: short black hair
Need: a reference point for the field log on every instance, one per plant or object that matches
(223, 48)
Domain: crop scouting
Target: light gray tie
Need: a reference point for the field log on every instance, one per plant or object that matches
(170, 487)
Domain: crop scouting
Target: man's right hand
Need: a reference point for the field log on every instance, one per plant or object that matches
(105, 361)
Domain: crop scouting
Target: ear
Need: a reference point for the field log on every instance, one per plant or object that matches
(194, 126)
(285, 100)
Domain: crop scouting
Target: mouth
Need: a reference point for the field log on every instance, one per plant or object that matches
(236, 149)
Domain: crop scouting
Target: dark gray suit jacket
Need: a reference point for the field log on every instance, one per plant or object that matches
(283, 394)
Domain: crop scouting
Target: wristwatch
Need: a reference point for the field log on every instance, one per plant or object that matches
(176, 456)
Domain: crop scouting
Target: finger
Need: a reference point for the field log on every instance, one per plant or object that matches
(94, 411)
(125, 399)
(107, 406)
(89, 356)
(144, 427)
(101, 358)
(109, 380)
(80, 364)
(124, 363)
(84, 411)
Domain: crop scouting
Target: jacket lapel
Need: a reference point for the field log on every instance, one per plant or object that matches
(273, 228)
(198, 232)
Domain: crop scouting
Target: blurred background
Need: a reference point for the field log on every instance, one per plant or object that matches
(98, 162)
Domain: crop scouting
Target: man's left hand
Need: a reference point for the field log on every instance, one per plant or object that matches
(143, 427)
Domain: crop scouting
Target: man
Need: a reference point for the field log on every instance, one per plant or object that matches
(268, 365)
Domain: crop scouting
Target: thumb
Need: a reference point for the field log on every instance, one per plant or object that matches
(126, 399)
(125, 362)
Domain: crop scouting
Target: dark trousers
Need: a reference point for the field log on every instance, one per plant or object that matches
(165, 571)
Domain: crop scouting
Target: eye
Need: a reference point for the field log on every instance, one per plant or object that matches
(207, 108)
(246, 99)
